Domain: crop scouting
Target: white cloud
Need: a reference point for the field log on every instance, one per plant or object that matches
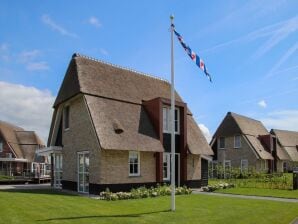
(27, 107)
(283, 119)
(276, 33)
(279, 35)
(206, 132)
(27, 56)
(37, 66)
(4, 52)
(46, 19)
(284, 58)
(94, 21)
(104, 51)
(3, 47)
(262, 103)
(31, 60)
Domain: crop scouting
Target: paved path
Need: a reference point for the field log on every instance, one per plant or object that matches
(197, 191)
(25, 186)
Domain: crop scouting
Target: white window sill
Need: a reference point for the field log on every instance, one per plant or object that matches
(134, 175)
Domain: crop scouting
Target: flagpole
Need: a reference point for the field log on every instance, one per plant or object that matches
(172, 119)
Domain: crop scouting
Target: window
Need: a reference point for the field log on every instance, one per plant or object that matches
(221, 143)
(66, 117)
(8, 155)
(134, 163)
(166, 113)
(237, 141)
(1, 146)
(244, 165)
(166, 166)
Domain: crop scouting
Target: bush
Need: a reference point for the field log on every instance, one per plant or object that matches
(143, 192)
(214, 187)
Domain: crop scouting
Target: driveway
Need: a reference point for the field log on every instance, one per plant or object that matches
(25, 186)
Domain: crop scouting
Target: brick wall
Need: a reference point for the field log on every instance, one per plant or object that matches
(114, 166)
(80, 137)
(236, 154)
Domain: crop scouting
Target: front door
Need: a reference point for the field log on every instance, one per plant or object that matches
(83, 172)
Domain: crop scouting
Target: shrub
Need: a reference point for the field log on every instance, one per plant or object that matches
(214, 187)
(143, 192)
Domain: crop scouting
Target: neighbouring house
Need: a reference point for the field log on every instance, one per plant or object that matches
(288, 141)
(242, 142)
(18, 152)
(110, 128)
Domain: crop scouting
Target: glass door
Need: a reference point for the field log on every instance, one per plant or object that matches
(166, 166)
(57, 170)
(83, 172)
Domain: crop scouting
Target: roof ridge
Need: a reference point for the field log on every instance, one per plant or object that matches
(23, 131)
(243, 116)
(121, 67)
(11, 125)
(283, 130)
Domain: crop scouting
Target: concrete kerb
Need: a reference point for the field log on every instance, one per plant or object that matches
(200, 191)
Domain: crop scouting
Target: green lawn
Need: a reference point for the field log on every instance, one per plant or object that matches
(2, 177)
(50, 207)
(261, 192)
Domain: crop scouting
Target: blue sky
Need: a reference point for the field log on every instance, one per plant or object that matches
(249, 47)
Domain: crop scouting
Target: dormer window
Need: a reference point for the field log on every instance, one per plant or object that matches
(66, 117)
(237, 141)
(166, 113)
(1, 146)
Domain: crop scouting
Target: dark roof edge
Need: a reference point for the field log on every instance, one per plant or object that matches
(120, 67)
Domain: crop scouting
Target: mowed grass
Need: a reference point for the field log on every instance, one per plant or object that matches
(261, 192)
(45, 206)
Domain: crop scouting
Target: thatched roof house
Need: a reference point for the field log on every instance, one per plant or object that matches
(124, 113)
(18, 147)
(288, 141)
(243, 142)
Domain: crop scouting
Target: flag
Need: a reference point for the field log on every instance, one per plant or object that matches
(192, 54)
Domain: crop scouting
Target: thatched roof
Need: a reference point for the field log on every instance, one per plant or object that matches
(282, 153)
(23, 143)
(137, 130)
(238, 124)
(94, 77)
(115, 96)
(289, 141)
(196, 142)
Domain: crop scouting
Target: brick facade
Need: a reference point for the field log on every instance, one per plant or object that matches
(79, 137)
(107, 166)
(235, 155)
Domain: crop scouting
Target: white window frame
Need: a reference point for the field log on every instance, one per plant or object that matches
(83, 172)
(130, 154)
(166, 114)
(58, 163)
(219, 147)
(64, 117)
(1, 146)
(237, 146)
(241, 165)
(167, 157)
